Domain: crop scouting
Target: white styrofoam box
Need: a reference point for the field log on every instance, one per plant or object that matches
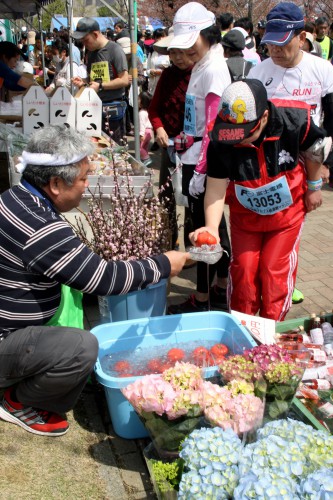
(88, 112)
(36, 110)
(13, 108)
(63, 108)
(106, 184)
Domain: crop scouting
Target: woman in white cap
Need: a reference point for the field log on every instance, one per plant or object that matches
(196, 33)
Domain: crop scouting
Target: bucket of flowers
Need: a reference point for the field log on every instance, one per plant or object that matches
(127, 224)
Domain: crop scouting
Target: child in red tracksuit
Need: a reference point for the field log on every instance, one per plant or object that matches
(146, 128)
(266, 156)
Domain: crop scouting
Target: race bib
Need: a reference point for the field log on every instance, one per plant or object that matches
(190, 117)
(100, 70)
(265, 200)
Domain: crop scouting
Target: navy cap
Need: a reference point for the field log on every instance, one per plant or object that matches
(282, 21)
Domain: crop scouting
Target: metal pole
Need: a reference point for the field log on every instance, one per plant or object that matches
(42, 44)
(134, 88)
(69, 7)
(113, 10)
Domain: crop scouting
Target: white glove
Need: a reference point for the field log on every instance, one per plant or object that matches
(197, 184)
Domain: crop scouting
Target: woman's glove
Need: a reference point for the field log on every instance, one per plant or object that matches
(197, 184)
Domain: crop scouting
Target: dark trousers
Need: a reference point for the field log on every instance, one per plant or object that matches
(114, 127)
(196, 206)
(50, 365)
(167, 193)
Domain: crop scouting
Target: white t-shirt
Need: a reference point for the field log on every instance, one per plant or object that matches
(155, 61)
(209, 75)
(308, 82)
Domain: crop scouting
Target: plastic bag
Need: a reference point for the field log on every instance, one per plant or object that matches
(70, 310)
(176, 177)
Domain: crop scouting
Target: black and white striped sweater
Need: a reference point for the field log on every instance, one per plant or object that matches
(39, 251)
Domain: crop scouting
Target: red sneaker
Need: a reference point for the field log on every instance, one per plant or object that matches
(33, 420)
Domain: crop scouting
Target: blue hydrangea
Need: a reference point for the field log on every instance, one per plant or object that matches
(208, 484)
(315, 446)
(284, 463)
(268, 486)
(318, 485)
(214, 447)
(274, 454)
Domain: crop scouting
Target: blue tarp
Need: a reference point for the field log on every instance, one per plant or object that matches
(104, 22)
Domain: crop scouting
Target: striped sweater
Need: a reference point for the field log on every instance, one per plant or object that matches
(39, 251)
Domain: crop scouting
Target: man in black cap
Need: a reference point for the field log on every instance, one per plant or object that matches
(254, 157)
(108, 74)
(233, 44)
(261, 48)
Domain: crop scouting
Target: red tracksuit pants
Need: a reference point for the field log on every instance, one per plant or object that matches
(263, 269)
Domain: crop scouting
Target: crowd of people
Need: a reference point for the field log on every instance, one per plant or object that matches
(245, 116)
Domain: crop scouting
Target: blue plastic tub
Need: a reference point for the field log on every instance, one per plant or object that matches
(217, 327)
(150, 301)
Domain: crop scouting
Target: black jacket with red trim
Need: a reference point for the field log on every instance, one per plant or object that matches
(290, 130)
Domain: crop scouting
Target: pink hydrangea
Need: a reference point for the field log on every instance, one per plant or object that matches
(172, 393)
(263, 355)
(184, 376)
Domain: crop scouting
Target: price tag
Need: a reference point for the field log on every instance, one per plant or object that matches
(262, 329)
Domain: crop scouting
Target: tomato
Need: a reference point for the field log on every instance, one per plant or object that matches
(200, 355)
(122, 366)
(123, 375)
(205, 238)
(218, 360)
(176, 354)
(154, 365)
(166, 366)
(210, 360)
(219, 350)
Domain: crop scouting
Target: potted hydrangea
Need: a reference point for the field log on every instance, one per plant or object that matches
(175, 402)
(275, 372)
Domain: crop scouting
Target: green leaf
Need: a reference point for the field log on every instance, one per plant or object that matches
(168, 434)
(281, 391)
(276, 408)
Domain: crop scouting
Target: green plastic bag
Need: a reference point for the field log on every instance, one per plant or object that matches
(70, 310)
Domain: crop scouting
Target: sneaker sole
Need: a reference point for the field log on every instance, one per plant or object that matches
(4, 415)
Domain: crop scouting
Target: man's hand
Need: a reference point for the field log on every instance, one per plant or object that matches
(162, 137)
(325, 174)
(313, 200)
(177, 261)
(77, 81)
(197, 184)
(94, 86)
(212, 230)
